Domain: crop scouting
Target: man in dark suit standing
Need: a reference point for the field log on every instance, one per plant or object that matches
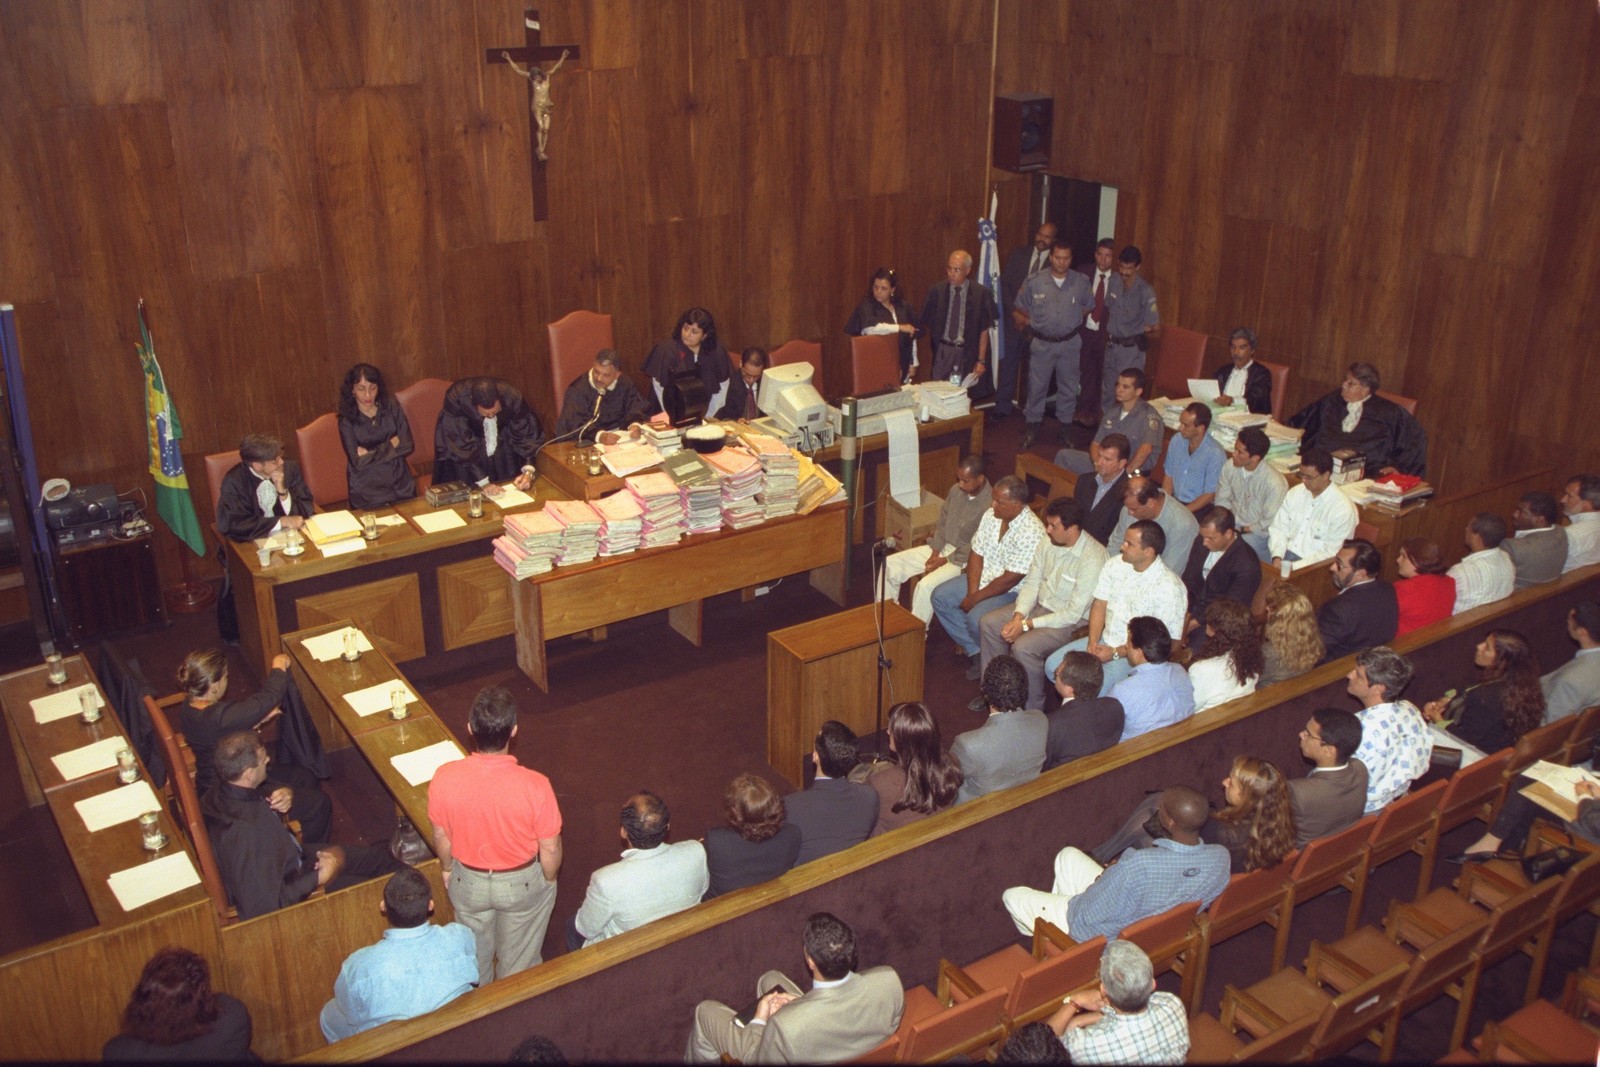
(1242, 378)
(1364, 613)
(957, 316)
(1100, 494)
(1333, 796)
(1092, 357)
(835, 812)
(1021, 263)
(1220, 566)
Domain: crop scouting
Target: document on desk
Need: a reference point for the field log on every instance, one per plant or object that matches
(100, 756)
(375, 698)
(329, 646)
(63, 704)
(437, 521)
(123, 804)
(342, 548)
(905, 457)
(275, 541)
(391, 519)
(138, 886)
(418, 767)
(625, 458)
(1205, 389)
(511, 497)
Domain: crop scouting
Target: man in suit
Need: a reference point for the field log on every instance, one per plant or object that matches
(263, 494)
(1575, 685)
(1008, 749)
(653, 879)
(1242, 378)
(1220, 566)
(1333, 795)
(1092, 357)
(1538, 550)
(1099, 495)
(957, 316)
(835, 812)
(1086, 722)
(744, 388)
(846, 1013)
(1364, 611)
(1021, 263)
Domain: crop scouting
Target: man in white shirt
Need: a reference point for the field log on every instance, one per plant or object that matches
(1581, 502)
(1002, 550)
(1485, 574)
(1396, 743)
(1575, 685)
(1252, 489)
(1135, 583)
(1316, 518)
(1052, 599)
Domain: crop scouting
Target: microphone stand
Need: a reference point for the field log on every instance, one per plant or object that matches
(534, 459)
(880, 566)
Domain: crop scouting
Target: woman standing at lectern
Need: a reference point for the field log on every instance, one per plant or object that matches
(883, 306)
(690, 369)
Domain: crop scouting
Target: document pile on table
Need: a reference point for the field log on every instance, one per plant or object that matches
(941, 400)
(621, 522)
(701, 488)
(580, 529)
(741, 482)
(1226, 424)
(780, 491)
(530, 545)
(1398, 493)
(664, 439)
(663, 507)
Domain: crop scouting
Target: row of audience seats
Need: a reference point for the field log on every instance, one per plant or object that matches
(1542, 1032)
(1354, 989)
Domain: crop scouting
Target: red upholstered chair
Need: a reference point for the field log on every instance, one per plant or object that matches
(1280, 386)
(322, 460)
(874, 363)
(422, 401)
(1407, 402)
(804, 352)
(574, 340)
(1181, 356)
(218, 464)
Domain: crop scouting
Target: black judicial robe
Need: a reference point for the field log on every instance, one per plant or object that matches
(1386, 436)
(621, 407)
(458, 436)
(381, 476)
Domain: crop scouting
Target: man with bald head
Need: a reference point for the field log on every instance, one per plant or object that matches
(1088, 900)
(957, 316)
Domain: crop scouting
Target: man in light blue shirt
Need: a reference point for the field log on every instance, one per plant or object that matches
(416, 968)
(1194, 460)
(1156, 692)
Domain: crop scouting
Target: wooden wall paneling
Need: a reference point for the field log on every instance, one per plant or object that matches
(616, 262)
(871, 150)
(779, 177)
(76, 55)
(790, 28)
(667, 152)
(1079, 52)
(1292, 264)
(27, 270)
(609, 30)
(232, 90)
(1414, 40)
(363, 42)
(474, 602)
(715, 110)
(494, 314)
(389, 611)
(379, 273)
(566, 243)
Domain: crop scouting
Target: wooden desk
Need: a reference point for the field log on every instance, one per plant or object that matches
(378, 737)
(34, 743)
(555, 464)
(675, 578)
(414, 593)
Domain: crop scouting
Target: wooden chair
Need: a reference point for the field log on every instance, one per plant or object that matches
(181, 781)
(798, 351)
(1336, 860)
(1343, 1021)
(322, 460)
(874, 364)
(1250, 899)
(1579, 745)
(1034, 469)
(1405, 826)
(1500, 880)
(218, 464)
(967, 1019)
(1542, 1033)
(1036, 980)
(422, 401)
(1540, 743)
(1464, 796)
(1407, 402)
(1170, 940)
(1351, 960)
(1366, 531)
(574, 340)
(1180, 355)
(1280, 386)
(1212, 1042)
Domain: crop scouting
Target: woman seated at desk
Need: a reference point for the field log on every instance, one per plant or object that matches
(206, 718)
(377, 440)
(689, 367)
(884, 306)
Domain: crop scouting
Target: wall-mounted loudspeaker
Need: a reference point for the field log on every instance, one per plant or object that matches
(1022, 123)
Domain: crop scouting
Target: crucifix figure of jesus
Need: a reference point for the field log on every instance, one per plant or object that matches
(526, 60)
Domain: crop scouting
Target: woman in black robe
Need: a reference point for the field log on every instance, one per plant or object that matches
(377, 440)
(694, 347)
(883, 304)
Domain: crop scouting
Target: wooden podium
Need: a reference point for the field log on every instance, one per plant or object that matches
(825, 669)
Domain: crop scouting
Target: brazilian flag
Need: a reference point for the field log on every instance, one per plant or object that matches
(173, 503)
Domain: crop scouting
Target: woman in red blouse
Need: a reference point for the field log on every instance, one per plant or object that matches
(1426, 594)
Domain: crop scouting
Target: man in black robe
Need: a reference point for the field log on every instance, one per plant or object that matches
(263, 493)
(1388, 436)
(602, 404)
(486, 433)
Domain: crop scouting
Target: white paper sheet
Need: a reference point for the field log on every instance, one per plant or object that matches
(63, 704)
(342, 548)
(274, 541)
(391, 520)
(435, 521)
(511, 498)
(100, 756)
(418, 767)
(329, 646)
(123, 804)
(1563, 780)
(905, 457)
(1205, 389)
(138, 886)
(375, 698)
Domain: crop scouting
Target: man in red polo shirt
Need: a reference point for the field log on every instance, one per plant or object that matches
(497, 832)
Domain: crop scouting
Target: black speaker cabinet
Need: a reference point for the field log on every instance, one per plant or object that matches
(1022, 123)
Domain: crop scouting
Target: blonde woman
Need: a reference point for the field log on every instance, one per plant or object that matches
(1291, 643)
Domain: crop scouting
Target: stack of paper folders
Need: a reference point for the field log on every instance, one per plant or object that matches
(664, 439)
(817, 486)
(780, 490)
(580, 529)
(941, 400)
(701, 488)
(622, 520)
(1397, 493)
(629, 457)
(530, 545)
(662, 506)
(329, 527)
(741, 484)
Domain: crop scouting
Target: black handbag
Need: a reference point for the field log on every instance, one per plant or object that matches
(1551, 863)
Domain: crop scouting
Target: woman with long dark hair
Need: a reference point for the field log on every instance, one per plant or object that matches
(884, 310)
(377, 440)
(1230, 662)
(693, 347)
(1506, 702)
(921, 779)
(173, 1015)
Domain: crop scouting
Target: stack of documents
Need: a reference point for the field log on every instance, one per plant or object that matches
(621, 521)
(1170, 409)
(664, 439)
(780, 490)
(530, 544)
(580, 533)
(1398, 492)
(1227, 422)
(662, 505)
(701, 487)
(329, 527)
(629, 457)
(941, 400)
(518, 561)
(741, 483)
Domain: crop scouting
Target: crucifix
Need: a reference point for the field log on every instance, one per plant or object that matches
(525, 61)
